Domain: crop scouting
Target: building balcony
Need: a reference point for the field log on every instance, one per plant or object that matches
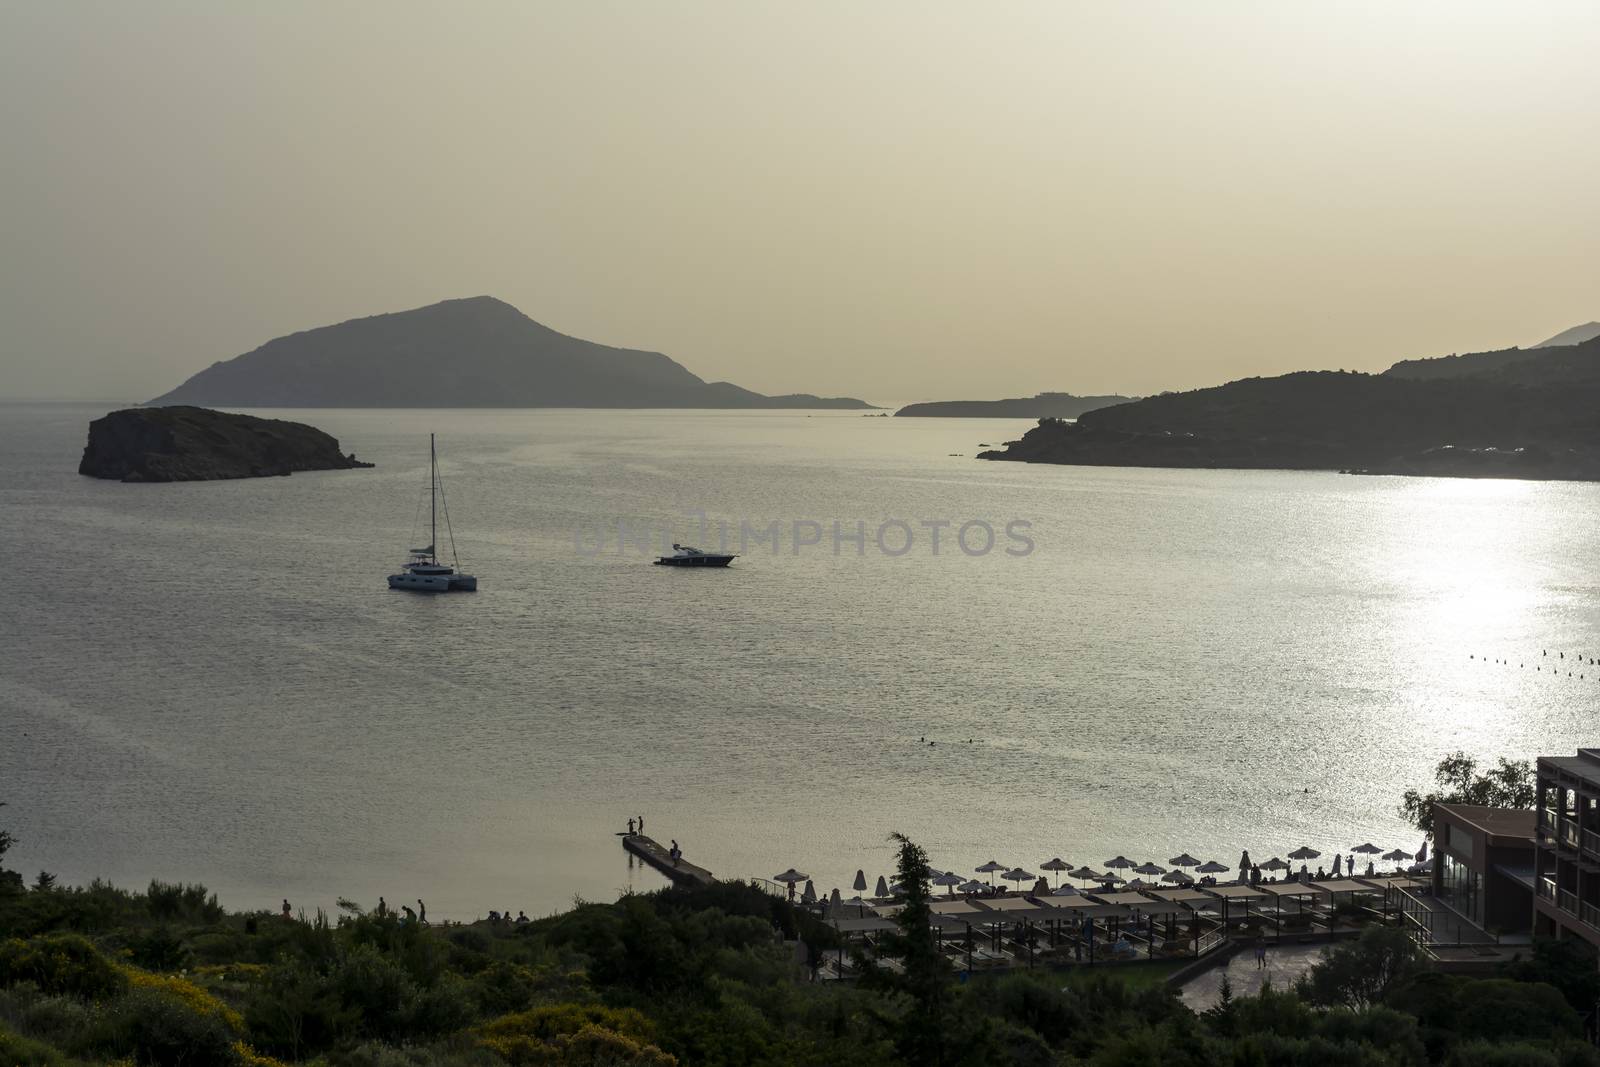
(1569, 834)
(1568, 901)
(1591, 843)
(1590, 915)
(1547, 888)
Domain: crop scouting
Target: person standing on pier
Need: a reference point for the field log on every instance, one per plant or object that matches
(422, 912)
(630, 827)
(677, 853)
(641, 826)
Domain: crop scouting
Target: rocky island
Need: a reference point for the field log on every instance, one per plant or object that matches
(190, 444)
(477, 352)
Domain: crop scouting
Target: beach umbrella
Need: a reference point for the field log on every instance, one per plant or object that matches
(1274, 864)
(1399, 855)
(833, 898)
(1111, 879)
(1244, 865)
(973, 886)
(790, 877)
(1213, 867)
(1065, 891)
(1137, 883)
(1368, 849)
(810, 895)
(1055, 866)
(1176, 876)
(1304, 852)
(1119, 863)
(1337, 860)
(949, 880)
(1184, 860)
(882, 888)
(1017, 874)
(1150, 868)
(1422, 853)
(989, 869)
(1088, 874)
(860, 884)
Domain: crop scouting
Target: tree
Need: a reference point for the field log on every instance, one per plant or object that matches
(8, 879)
(6, 840)
(1509, 784)
(1359, 974)
(925, 978)
(1568, 964)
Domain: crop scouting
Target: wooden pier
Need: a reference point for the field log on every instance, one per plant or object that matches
(658, 856)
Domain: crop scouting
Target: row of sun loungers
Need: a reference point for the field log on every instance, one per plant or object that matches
(1003, 931)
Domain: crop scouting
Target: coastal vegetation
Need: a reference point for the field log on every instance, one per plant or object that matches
(719, 974)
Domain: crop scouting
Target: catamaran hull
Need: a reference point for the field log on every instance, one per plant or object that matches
(434, 583)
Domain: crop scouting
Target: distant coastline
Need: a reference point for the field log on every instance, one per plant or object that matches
(1515, 413)
(1040, 406)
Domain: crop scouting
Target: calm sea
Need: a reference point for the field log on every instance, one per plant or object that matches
(212, 682)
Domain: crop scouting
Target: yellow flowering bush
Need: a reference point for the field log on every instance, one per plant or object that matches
(249, 1057)
(574, 1034)
(187, 993)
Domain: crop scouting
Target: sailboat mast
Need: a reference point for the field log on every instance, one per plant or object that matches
(433, 499)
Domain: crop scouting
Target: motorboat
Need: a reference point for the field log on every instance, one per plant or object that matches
(689, 556)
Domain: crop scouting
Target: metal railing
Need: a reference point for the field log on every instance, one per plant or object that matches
(1548, 818)
(1547, 888)
(1568, 901)
(1569, 834)
(1591, 842)
(1589, 914)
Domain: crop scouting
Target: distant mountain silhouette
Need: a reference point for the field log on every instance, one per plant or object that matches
(1042, 406)
(1575, 336)
(1574, 364)
(477, 352)
(1327, 420)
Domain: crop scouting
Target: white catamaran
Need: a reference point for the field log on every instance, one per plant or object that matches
(423, 573)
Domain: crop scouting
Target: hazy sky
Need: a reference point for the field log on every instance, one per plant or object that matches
(890, 200)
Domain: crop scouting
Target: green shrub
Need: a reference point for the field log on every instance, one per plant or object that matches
(18, 1051)
(158, 949)
(168, 901)
(443, 1008)
(151, 1027)
(60, 963)
(56, 1020)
